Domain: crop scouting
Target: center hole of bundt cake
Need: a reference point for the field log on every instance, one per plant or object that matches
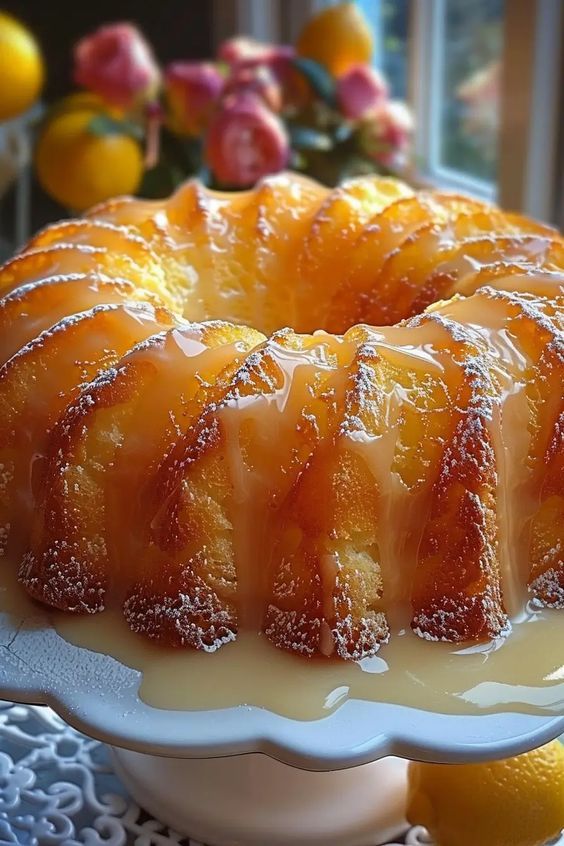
(315, 313)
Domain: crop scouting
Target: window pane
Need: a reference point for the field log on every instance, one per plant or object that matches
(472, 41)
(389, 20)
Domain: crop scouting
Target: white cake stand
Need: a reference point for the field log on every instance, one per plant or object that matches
(339, 781)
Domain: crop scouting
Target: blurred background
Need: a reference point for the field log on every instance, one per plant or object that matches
(98, 99)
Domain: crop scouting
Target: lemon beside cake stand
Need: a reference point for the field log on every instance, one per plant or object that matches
(246, 776)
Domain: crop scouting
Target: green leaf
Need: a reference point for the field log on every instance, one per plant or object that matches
(307, 138)
(106, 125)
(319, 78)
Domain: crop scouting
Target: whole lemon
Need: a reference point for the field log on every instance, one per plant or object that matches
(80, 168)
(515, 802)
(21, 68)
(337, 37)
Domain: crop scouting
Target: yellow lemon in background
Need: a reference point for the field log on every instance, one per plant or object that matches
(80, 168)
(515, 802)
(21, 68)
(84, 100)
(337, 38)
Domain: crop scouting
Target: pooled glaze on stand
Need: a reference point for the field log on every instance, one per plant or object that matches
(521, 673)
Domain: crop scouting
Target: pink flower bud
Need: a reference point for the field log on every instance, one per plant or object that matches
(192, 92)
(385, 133)
(250, 53)
(260, 81)
(360, 90)
(116, 63)
(246, 53)
(245, 141)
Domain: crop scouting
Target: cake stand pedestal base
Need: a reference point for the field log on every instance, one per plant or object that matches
(253, 800)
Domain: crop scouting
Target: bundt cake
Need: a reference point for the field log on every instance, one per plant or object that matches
(326, 484)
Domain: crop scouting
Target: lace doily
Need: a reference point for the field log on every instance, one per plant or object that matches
(58, 788)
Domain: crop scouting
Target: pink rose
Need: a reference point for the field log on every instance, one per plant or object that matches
(386, 132)
(192, 92)
(260, 81)
(117, 63)
(360, 90)
(245, 141)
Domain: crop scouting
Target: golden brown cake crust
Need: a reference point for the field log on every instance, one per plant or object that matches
(326, 489)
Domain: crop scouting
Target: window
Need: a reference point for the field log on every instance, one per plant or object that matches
(483, 78)
(461, 52)
(457, 92)
(485, 90)
(469, 55)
